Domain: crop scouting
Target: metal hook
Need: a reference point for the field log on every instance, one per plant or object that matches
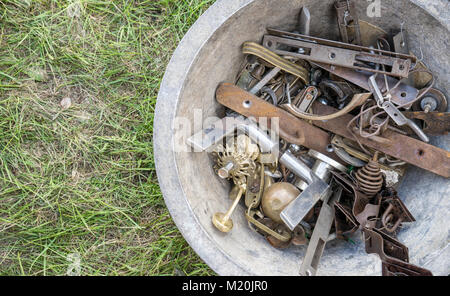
(421, 54)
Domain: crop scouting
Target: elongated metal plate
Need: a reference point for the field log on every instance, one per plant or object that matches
(265, 80)
(297, 167)
(401, 46)
(290, 128)
(402, 147)
(355, 47)
(400, 119)
(320, 235)
(348, 22)
(337, 56)
(395, 114)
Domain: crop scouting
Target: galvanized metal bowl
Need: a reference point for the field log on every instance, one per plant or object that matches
(210, 53)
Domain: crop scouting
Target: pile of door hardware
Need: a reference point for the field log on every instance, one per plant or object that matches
(350, 117)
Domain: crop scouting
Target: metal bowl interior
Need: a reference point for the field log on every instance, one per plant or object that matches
(209, 54)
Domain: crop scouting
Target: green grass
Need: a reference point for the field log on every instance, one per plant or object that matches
(81, 180)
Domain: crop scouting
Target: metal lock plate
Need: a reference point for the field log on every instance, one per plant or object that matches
(338, 53)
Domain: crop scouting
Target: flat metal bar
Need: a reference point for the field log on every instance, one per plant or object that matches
(214, 134)
(272, 73)
(401, 46)
(435, 123)
(320, 235)
(322, 41)
(402, 147)
(300, 132)
(290, 128)
(297, 167)
(337, 56)
(304, 21)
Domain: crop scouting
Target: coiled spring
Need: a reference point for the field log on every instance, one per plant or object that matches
(370, 178)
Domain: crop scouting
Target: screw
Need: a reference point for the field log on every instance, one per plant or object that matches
(224, 172)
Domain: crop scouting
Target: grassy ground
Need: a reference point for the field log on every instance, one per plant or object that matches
(78, 85)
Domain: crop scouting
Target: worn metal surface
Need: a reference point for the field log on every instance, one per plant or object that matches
(192, 197)
(400, 119)
(316, 190)
(394, 255)
(320, 235)
(397, 145)
(401, 95)
(322, 167)
(304, 21)
(314, 49)
(348, 22)
(290, 128)
(402, 147)
(435, 123)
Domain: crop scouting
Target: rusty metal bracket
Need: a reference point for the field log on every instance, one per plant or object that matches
(401, 95)
(401, 46)
(291, 129)
(385, 246)
(403, 269)
(300, 132)
(338, 53)
(399, 146)
(395, 213)
(393, 254)
(344, 221)
(362, 211)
